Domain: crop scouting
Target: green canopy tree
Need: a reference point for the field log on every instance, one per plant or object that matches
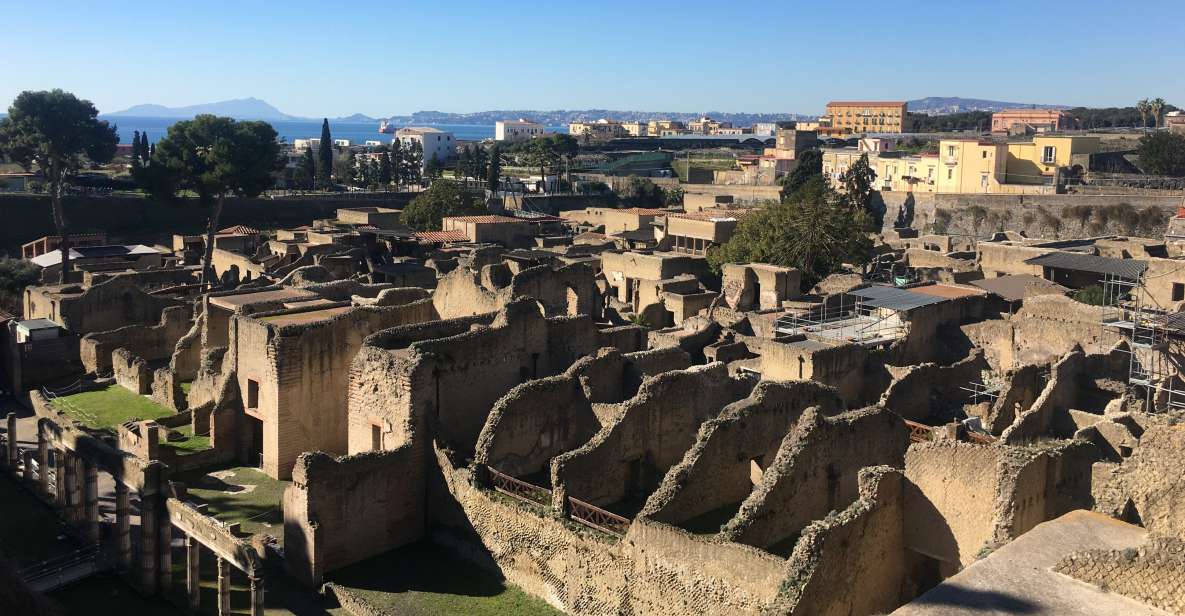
(384, 168)
(810, 165)
(813, 230)
(56, 132)
(214, 157)
(433, 168)
(306, 173)
(325, 156)
(441, 199)
(494, 169)
(1144, 107)
(1156, 108)
(857, 184)
(1162, 153)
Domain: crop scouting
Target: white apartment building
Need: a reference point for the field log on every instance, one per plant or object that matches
(300, 145)
(433, 142)
(516, 130)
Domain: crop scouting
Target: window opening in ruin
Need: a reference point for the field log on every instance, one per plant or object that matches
(1178, 291)
(801, 364)
(573, 301)
(534, 365)
(252, 394)
(376, 437)
(255, 429)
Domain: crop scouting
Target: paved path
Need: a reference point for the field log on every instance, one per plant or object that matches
(1018, 578)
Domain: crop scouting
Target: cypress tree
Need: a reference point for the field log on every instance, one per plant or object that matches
(136, 158)
(385, 169)
(325, 155)
(494, 171)
(397, 156)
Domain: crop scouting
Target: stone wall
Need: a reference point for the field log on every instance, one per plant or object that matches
(1042, 331)
(962, 498)
(131, 372)
(933, 394)
(340, 511)
(816, 471)
(1078, 382)
(109, 305)
(153, 342)
(1152, 480)
(568, 290)
(852, 562)
(731, 451)
(1153, 574)
(629, 457)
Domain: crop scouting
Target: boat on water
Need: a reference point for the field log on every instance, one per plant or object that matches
(386, 127)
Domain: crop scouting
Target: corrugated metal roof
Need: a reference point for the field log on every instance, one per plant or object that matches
(1173, 321)
(1127, 268)
(893, 298)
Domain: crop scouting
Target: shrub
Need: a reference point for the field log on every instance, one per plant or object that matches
(1092, 295)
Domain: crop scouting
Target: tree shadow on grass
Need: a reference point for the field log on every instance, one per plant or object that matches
(420, 567)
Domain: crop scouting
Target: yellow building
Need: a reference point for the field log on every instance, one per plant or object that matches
(971, 166)
(868, 116)
(657, 128)
(601, 129)
(635, 129)
(1037, 161)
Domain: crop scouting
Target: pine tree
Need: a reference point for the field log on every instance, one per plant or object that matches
(397, 156)
(478, 162)
(464, 163)
(414, 163)
(325, 156)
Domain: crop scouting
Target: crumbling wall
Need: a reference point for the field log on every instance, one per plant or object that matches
(653, 569)
(150, 342)
(653, 430)
(853, 561)
(844, 366)
(963, 498)
(1043, 330)
(340, 511)
(1020, 389)
(1152, 480)
(108, 305)
(1076, 382)
(928, 338)
(166, 390)
(131, 372)
(568, 290)
(732, 450)
(1153, 574)
(933, 394)
(534, 422)
(815, 472)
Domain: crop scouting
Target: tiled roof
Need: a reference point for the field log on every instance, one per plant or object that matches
(644, 211)
(487, 219)
(442, 236)
(239, 230)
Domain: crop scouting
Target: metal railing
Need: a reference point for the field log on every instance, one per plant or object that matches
(595, 517)
(516, 488)
(62, 570)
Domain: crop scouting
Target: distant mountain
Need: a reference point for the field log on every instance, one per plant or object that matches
(943, 105)
(563, 117)
(357, 117)
(239, 108)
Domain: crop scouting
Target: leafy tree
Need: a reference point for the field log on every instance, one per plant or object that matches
(307, 171)
(968, 120)
(433, 169)
(479, 161)
(1162, 153)
(441, 199)
(813, 229)
(494, 169)
(641, 192)
(810, 165)
(465, 162)
(56, 131)
(413, 163)
(215, 156)
(345, 168)
(325, 156)
(857, 183)
(397, 156)
(15, 275)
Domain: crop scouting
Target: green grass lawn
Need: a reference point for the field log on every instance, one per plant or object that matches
(425, 580)
(30, 531)
(191, 444)
(108, 595)
(110, 407)
(241, 494)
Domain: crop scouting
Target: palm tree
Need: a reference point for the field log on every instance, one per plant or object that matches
(1156, 106)
(1143, 106)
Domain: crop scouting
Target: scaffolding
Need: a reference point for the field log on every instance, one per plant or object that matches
(848, 321)
(1153, 340)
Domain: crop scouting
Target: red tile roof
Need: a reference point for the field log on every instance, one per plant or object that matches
(442, 236)
(644, 211)
(239, 230)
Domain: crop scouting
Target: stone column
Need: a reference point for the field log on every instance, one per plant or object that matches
(256, 593)
(193, 572)
(12, 450)
(148, 535)
(27, 463)
(64, 480)
(166, 552)
(76, 490)
(42, 461)
(123, 522)
(91, 502)
(59, 483)
(223, 587)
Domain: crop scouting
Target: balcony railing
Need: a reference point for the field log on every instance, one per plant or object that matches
(518, 489)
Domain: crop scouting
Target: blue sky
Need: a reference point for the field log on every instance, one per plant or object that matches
(395, 57)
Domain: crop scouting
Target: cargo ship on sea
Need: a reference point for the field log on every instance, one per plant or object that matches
(386, 127)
